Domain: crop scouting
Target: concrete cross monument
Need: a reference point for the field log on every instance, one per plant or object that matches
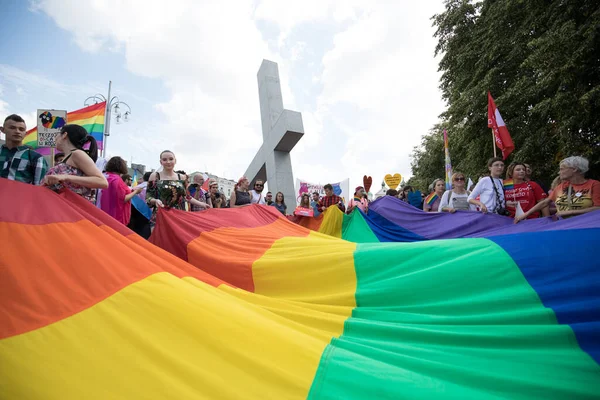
(281, 130)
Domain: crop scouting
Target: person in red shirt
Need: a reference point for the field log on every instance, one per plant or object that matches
(116, 199)
(519, 190)
(330, 199)
(575, 195)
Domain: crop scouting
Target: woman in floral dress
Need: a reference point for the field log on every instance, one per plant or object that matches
(167, 188)
(77, 171)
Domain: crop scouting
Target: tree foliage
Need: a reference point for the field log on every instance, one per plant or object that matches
(541, 61)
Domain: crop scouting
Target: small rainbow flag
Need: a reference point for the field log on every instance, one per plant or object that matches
(91, 118)
(509, 184)
(431, 198)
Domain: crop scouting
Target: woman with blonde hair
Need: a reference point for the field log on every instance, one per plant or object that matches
(456, 198)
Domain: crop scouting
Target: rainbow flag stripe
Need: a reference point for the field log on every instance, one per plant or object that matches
(91, 118)
(509, 184)
(431, 198)
(244, 295)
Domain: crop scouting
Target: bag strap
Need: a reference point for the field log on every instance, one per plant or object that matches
(498, 200)
(569, 198)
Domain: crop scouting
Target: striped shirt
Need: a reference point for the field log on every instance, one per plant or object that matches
(22, 164)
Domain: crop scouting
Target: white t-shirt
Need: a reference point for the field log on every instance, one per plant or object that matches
(257, 198)
(456, 201)
(485, 190)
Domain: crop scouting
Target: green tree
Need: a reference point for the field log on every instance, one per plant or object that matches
(541, 62)
(428, 160)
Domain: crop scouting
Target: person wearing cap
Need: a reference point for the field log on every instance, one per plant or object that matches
(358, 201)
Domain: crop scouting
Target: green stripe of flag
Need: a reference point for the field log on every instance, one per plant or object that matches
(451, 319)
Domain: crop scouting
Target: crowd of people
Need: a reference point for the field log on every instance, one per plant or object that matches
(75, 169)
(516, 196)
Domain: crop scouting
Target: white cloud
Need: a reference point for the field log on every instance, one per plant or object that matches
(206, 53)
(363, 73)
(22, 79)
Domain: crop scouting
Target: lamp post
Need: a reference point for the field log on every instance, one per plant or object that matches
(113, 104)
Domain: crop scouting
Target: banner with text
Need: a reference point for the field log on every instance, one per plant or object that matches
(342, 189)
(49, 124)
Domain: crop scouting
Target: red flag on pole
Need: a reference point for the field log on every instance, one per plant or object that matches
(495, 121)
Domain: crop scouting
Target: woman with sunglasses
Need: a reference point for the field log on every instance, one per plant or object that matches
(458, 197)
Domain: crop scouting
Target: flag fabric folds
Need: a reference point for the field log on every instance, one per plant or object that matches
(392, 220)
(447, 163)
(91, 118)
(242, 303)
(495, 121)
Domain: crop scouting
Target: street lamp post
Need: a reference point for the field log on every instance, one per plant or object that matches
(113, 104)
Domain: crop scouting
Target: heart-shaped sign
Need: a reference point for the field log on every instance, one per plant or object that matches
(367, 182)
(392, 181)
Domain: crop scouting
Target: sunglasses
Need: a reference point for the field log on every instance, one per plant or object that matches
(258, 185)
(459, 179)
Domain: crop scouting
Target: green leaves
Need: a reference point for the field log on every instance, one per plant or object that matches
(541, 61)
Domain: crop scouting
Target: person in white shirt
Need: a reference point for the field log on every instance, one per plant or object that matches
(490, 189)
(458, 197)
(256, 195)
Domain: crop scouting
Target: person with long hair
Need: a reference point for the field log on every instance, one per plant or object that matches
(305, 202)
(575, 195)
(490, 190)
(77, 172)
(116, 199)
(240, 196)
(279, 203)
(166, 189)
(456, 198)
(432, 202)
(520, 192)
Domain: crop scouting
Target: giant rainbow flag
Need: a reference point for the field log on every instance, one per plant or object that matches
(244, 304)
(392, 220)
(91, 118)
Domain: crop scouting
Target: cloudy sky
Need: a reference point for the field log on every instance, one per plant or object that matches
(362, 73)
